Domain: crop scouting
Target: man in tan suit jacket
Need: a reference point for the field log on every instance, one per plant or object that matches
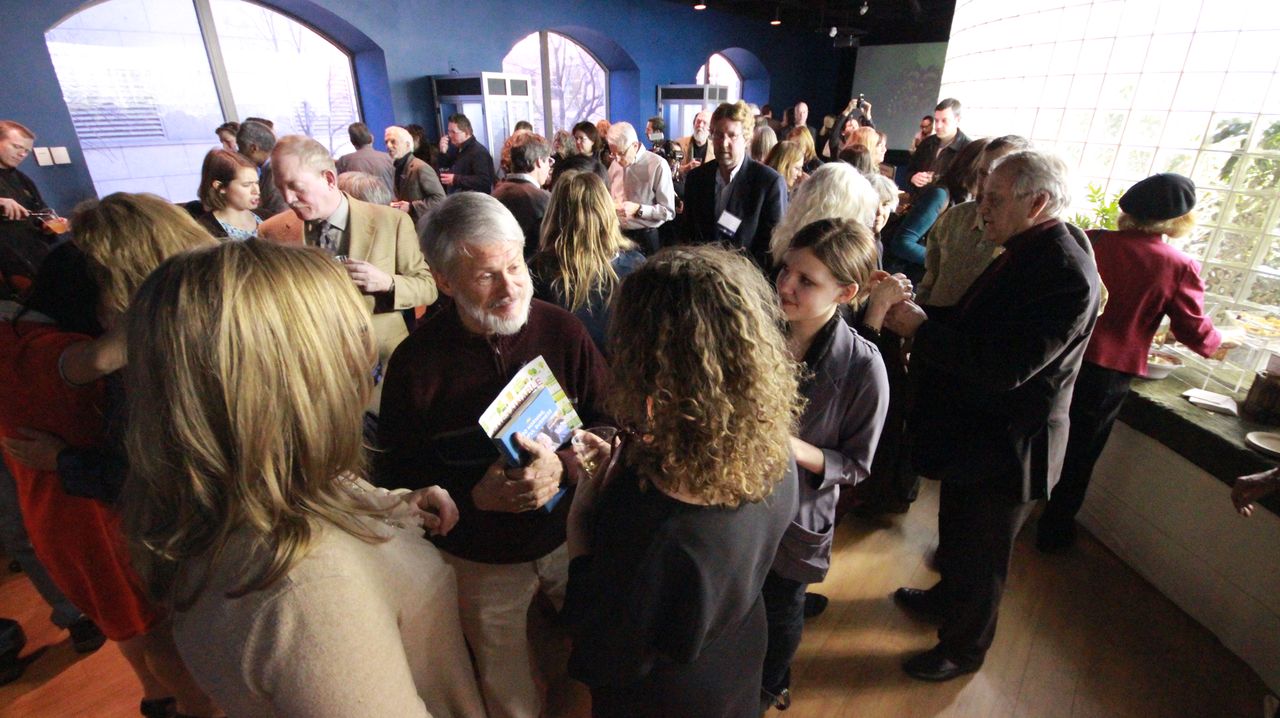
(377, 245)
(700, 138)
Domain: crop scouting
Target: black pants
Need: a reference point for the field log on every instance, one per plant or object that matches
(784, 608)
(893, 483)
(646, 238)
(1095, 405)
(976, 529)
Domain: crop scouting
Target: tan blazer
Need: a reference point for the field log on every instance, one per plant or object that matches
(383, 237)
(686, 142)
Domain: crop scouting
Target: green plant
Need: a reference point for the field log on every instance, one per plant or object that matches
(1103, 212)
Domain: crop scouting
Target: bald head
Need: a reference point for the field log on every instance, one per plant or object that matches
(801, 114)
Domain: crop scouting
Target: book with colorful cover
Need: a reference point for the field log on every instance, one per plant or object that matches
(534, 405)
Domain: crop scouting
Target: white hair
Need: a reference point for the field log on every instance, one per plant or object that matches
(834, 191)
(1034, 172)
(401, 134)
(887, 190)
(621, 135)
(470, 218)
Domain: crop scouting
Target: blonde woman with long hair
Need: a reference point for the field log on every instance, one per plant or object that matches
(125, 236)
(670, 543)
(73, 523)
(762, 140)
(803, 136)
(583, 254)
(298, 589)
(787, 159)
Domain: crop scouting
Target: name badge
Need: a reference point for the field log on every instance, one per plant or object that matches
(728, 223)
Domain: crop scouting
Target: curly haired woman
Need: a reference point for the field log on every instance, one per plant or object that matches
(671, 544)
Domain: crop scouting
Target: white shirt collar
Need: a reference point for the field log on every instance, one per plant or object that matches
(341, 214)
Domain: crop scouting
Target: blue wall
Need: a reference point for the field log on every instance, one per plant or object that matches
(415, 38)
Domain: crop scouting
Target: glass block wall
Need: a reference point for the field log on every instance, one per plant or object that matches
(1126, 88)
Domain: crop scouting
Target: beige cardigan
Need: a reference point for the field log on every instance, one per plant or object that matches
(354, 629)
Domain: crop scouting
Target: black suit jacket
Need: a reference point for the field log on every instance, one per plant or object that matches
(471, 165)
(758, 198)
(927, 158)
(993, 375)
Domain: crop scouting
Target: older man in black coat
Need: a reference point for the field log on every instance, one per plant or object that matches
(993, 377)
(734, 200)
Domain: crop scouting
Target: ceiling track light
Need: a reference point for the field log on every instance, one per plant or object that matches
(777, 15)
(865, 7)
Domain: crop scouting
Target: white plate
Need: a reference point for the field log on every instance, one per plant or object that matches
(1265, 441)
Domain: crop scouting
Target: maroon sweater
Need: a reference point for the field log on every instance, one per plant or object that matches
(439, 381)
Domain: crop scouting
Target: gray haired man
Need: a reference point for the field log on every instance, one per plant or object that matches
(506, 547)
(994, 375)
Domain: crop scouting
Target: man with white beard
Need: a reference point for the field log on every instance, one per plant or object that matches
(506, 547)
(697, 148)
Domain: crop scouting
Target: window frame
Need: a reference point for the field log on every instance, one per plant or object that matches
(544, 55)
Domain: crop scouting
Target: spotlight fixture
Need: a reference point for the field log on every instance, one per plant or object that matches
(863, 10)
(832, 32)
(699, 6)
(777, 16)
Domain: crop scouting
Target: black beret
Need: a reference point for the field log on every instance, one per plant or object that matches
(1162, 196)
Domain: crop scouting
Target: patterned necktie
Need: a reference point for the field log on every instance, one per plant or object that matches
(324, 237)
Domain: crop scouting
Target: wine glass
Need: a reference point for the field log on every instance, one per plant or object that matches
(591, 456)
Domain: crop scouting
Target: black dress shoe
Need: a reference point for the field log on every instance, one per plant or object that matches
(159, 707)
(12, 641)
(781, 700)
(86, 637)
(934, 665)
(814, 604)
(921, 603)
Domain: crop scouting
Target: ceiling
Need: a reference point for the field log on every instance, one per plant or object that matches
(885, 22)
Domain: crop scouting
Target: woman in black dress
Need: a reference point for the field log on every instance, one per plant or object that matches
(671, 542)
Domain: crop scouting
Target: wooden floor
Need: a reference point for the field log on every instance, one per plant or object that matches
(1080, 635)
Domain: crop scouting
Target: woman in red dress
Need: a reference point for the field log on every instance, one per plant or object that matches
(42, 416)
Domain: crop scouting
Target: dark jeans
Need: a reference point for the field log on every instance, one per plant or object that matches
(976, 529)
(784, 608)
(646, 238)
(1095, 405)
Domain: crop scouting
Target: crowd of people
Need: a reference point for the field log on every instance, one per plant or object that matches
(244, 434)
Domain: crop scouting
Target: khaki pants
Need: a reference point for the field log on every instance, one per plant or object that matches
(493, 600)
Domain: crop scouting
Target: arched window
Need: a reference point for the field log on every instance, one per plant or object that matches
(574, 82)
(722, 73)
(147, 82)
